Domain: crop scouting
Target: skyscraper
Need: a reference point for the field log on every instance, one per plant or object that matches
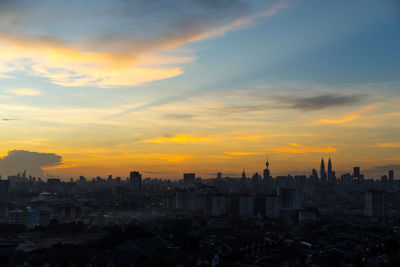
(329, 166)
(331, 173)
(356, 172)
(376, 203)
(135, 181)
(266, 173)
(322, 171)
(244, 175)
(391, 175)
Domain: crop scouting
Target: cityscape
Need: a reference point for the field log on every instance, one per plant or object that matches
(205, 133)
(259, 220)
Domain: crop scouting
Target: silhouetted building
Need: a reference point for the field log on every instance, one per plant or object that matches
(245, 205)
(322, 171)
(266, 173)
(331, 173)
(217, 204)
(272, 206)
(314, 175)
(4, 185)
(135, 181)
(244, 175)
(376, 204)
(356, 172)
(256, 177)
(391, 175)
(54, 184)
(189, 178)
(289, 198)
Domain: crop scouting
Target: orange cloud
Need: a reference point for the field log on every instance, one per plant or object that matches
(256, 137)
(176, 139)
(68, 66)
(61, 166)
(390, 145)
(346, 118)
(299, 149)
(243, 153)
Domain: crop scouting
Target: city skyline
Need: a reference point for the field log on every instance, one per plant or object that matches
(327, 175)
(202, 86)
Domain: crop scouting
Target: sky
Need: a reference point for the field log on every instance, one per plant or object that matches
(165, 87)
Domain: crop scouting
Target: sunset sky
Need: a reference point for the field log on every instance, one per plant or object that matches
(170, 86)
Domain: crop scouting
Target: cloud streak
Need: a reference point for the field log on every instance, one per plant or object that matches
(346, 118)
(176, 139)
(301, 149)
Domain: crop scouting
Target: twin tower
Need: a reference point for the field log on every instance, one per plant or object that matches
(327, 176)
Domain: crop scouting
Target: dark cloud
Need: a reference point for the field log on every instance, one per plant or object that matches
(320, 102)
(17, 161)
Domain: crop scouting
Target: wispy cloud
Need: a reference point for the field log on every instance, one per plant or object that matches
(250, 137)
(389, 145)
(300, 149)
(176, 139)
(177, 116)
(25, 92)
(346, 118)
(243, 153)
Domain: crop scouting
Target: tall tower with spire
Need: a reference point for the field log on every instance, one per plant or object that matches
(322, 171)
(329, 166)
(266, 173)
(331, 173)
(330, 176)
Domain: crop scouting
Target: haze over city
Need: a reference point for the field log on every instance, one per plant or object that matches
(102, 87)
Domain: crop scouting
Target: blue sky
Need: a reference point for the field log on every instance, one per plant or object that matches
(201, 85)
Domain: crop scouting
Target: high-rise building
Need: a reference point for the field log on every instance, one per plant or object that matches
(135, 181)
(356, 172)
(391, 175)
(329, 166)
(245, 205)
(322, 171)
(314, 175)
(244, 175)
(331, 173)
(376, 204)
(289, 198)
(189, 178)
(256, 176)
